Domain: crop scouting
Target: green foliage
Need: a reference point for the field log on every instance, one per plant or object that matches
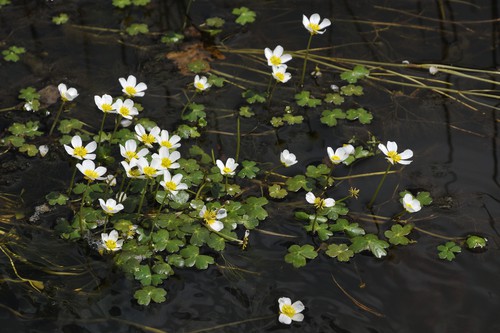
(215, 22)
(248, 169)
(137, 28)
(275, 191)
(60, 19)
(28, 149)
(424, 197)
(244, 14)
(252, 97)
(475, 242)
(330, 117)
(198, 66)
(171, 38)
(350, 229)
(350, 90)
(147, 294)
(359, 72)
(197, 112)
(298, 255)
(28, 94)
(216, 81)
(122, 3)
(13, 53)
(192, 257)
(246, 111)
(447, 251)
(4, 2)
(298, 182)
(30, 129)
(304, 98)
(361, 114)
(334, 98)
(340, 251)
(397, 234)
(369, 242)
(66, 126)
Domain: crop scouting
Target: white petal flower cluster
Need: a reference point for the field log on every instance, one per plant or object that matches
(313, 24)
(391, 151)
(290, 312)
(277, 59)
(340, 154)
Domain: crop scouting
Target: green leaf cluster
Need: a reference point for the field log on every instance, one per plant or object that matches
(60, 19)
(244, 14)
(447, 251)
(13, 53)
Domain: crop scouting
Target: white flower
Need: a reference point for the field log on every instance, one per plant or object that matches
(280, 73)
(126, 108)
(201, 83)
(334, 87)
(121, 197)
(338, 156)
(229, 168)
(349, 149)
(276, 57)
(110, 206)
(104, 103)
(132, 169)
(129, 151)
(318, 202)
(28, 106)
(147, 138)
(149, 169)
(167, 158)
(289, 311)
(130, 88)
(79, 151)
(212, 217)
(67, 95)
(313, 25)
(391, 151)
(170, 142)
(43, 150)
(172, 184)
(433, 70)
(287, 158)
(111, 242)
(111, 180)
(410, 203)
(87, 167)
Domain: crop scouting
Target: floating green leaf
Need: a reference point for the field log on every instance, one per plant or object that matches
(137, 28)
(215, 22)
(350, 90)
(298, 255)
(292, 120)
(172, 38)
(4, 2)
(334, 98)
(198, 66)
(277, 121)
(298, 182)
(68, 125)
(28, 94)
(424, 198)
(275, 191)
(246, 111)
(253, 97)
(56, 198)
(304, 98)
(60, 19)
(216, 81)
(122, 3)
(248, 169)
(397, 234)
(361, 114)
(330, 117)
(12, 53)
(244, 14)
(149, 293)
(447, 251)
(340, 251)
(317, 171)
(369, 242)
(351, 229)
(29, 149)
(141, 2)
(356, 74)
(192, 257)
(475, 242)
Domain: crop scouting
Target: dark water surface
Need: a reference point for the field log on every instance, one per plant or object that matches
(456, 160)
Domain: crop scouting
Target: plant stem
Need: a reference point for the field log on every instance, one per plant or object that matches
(100, 130)
(370, 204)
(72, 180)
(117, 122)
(313, 229)
(188, 8)
(57, 117)
(305, 61)
(188, 102)
(142, 198)
(238, 138)
(271, 94)
(81, 208)
(269, 84)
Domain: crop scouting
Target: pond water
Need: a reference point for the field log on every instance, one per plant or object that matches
(455, 142)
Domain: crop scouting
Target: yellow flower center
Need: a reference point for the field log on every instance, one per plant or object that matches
(319, 203)
(275, 60)
(226, 170)
(210, 217)
(124, 111)
(110, 244)
(148, 139)
(166, 144)
(130, 155)
(200, 85)
(91, 174)
(130, 91)
(131, 231)
(134, 173)
(171, 186)
(166, 162)
(109, 209)
(288, 310)
(335, 158)
(314, 27)
(280, 76)
(106, 107)
(80, 152)
(149, 171)
(393, 155)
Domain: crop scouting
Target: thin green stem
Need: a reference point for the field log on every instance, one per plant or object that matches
(269, 84)
(271, 94)
(238, 138)
(188, 8)
(370, 204)
(305, 61)
(84, 197)
(72, 181)
(188, 102)
(100, 130)
(142, 198)
(117, 122)
(313, 229)
(57, 117)
(8, 109)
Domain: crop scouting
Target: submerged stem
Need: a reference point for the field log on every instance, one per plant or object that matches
(305, 61)
(100, 130)
(379, 186)
(57, 117)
